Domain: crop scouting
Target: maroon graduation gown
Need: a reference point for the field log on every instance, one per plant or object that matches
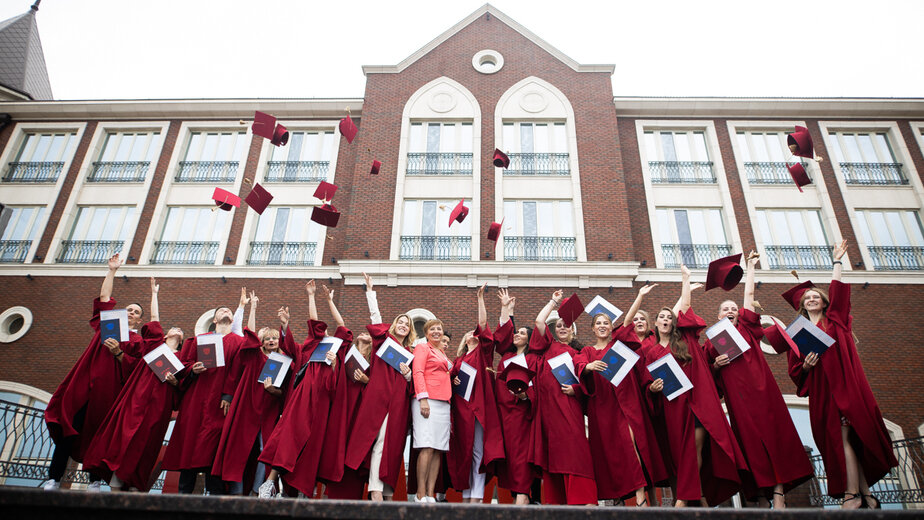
(837, 387)
(652, 402)
(515, 472)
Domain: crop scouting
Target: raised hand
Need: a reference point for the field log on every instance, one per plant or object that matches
(753, 257)
(253, 297)
(283, 314)
(684, 270)
(504, 297)
(481, 290)
(114, 262)
(557, 296)
(368, 282)
(695, 286)
(327, 293)
(154, 286)
(310, 288)
(645, 289)
(840, 250)
(244, 299)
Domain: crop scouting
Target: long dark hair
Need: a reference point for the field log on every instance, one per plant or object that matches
(675, 340)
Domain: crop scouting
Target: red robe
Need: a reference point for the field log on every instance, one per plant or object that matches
(611, 412)
(387, 393)
(722, 458)
(130, 439)
(758, 414)
(837, 387)
(653, 408)
(197, 429)
(516, 416)
(481, 406)
(94, 381)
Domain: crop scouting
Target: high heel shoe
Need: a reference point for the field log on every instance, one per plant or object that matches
(852, 496)
(784, 500)
(873, 497)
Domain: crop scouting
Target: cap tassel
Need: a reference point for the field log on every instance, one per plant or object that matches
(757, 306)
(794, 273)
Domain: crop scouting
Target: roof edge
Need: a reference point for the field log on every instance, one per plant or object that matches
(769, 107)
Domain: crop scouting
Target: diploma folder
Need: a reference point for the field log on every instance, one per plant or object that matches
(162, 360)
(327, 344)
(276, 367)
(726, 339)
(668, 370)
(619, 361)
(808, 336)
(113, 324)
(467, 375)
(394, 354)
(210, 350)
(563, 369)
(600, 305)
(354, 360)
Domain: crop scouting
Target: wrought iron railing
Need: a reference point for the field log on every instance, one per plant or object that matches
(799, 257)
(206, 171)
(296, 171)
(184, 252)
(769, 172)
(452, 163)
(33, 171)
(538, 164)
(897, 258)
(119, 171)
(540, 249)
(692, 255)
(436, 248)
(682, 172)
(88, 251)
(14, 251)
(282, 253)
(873, 173)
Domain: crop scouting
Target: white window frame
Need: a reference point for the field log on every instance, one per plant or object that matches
(252, 225)
(35, 226)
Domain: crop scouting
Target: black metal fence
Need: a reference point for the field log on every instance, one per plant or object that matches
(296, 171)
(206, 171)
(14, 251)
(282, 253)
(538, 164)
(88, 251)
(33, 171)
(799, 257)
(540, 249)
(119, 171)
(184, 252)
(681, 172)
(454, 163)
(897, 258)
(873, 173)
(456, 248)
(692, 255)
(769, 172)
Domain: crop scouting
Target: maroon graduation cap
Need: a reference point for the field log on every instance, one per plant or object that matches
(779, 340)
(326, 215)
(325, 191)
(794, 295)
(800, 143)
(494, 231)
(376, 166)
(458, 213)
(517, 377)
(571, 309)
(348, 129)
(258, 198)
(500, 159)
(799, 175)
(280, 136)
(725, 272)
(225, 200)
(264, 125)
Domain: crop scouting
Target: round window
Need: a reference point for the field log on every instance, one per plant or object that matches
(15, 322)
(487, 61)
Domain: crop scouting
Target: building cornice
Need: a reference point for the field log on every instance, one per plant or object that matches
(854, 108)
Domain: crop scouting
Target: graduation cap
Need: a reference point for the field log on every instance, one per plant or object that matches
(799, 175)
(325, 191)
(725, 272)
(326, 215)
(500, 159)
(494, 231)
(517, 374)
(800, 143)
(794, 295)
(264, 125)
(779, 339)
(376, 165)
(348, 129)
(224, 199)
(570, 309)
(458, 213)
(258, 198)
(280, 136)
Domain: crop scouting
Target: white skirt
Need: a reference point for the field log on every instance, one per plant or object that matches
(433, 431)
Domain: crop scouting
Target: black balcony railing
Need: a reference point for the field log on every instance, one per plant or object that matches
(282, 253)
(873, 173)
(206, 171)
(33, 172)
(799, 257)
(540, 249)
(897, 258)
(681, 172)
(184, 252)
(296, 171)
(538, 164)
(692, 255)
(14, 251)
(769, 172)
(436, 248)
(119, 171)
(88, 251)
(453, 163)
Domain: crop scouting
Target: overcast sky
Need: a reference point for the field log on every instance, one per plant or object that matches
(141, 49)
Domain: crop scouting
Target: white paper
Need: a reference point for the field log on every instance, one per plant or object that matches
(726, 325)
(519, 359)
(117, 314)
(398, 347)
(472, 374)
(334, 343)
(631, 359)
(563, 358)
(802, 323)
(685, 383)
(599, 304)
(356, 355)
(285, 361)
(217, 340)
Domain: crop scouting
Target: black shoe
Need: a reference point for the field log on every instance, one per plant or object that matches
(872, 497)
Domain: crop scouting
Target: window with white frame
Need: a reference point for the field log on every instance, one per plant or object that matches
(19, 225)
(866, 158)
(536, 148)
(893, 238)
(678, 157)
(25, 441)
(41, 157)
(539, 230)
(125, 157)
(426, 233)
(98, 233)
(439, 148)
(306, 158)
(285, 236)
(212, 156)
(691, 236)
(793, 239)
(766, 157)
(191, 235)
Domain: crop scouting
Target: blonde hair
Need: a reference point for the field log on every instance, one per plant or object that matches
(678, 346)
(411, 335)
(571, 334)
(463, 345)
(266, 333)
(824, 298)
(647, 321)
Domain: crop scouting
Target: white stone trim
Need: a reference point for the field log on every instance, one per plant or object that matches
(488, 55)
(142, 272)
(857, 277)
(202, 324)
(29, 392)
(797, 108)
(8, 316)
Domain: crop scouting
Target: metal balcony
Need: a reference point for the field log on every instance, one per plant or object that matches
(769, 172)
(190, 253)
(282, 253)
(692, 255)
(539, 249)
(451, 249)
(206, 171)
(538, 164)
(453, 163)
(681, 172)
(876, 174)
(798, 257)
(14, 251)
(897, 258)
(119, 171)
(296, 171)
(37, 172)
(88, 251)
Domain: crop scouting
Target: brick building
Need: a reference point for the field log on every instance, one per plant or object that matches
(602, 195)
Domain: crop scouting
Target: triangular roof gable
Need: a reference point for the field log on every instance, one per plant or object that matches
(22, 61)
(487, 9)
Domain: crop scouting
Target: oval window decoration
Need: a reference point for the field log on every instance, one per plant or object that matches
(487, 61)
(15, 322)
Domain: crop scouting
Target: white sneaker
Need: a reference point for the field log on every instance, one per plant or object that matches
(267, 489)
(51, 485)
(418, 499)
(430, 500)
(93, 487)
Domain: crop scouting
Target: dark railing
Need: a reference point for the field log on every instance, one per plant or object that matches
(769, 172)
(873, 173)
(14, 251)
(119, 171)
(88, 251)
(682, 172)
(436, 248)
(439, 163)
(33, 171)
(538, 164)
(282, 253)
(296, 171)
(540, 249)
(897, 258)
(206, 171)
(692, 255)
(184, 252)
(799, 257)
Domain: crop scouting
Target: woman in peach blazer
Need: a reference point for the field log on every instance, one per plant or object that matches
(430, 409)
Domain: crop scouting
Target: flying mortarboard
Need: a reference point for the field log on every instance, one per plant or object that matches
(225, 200)
(800, 143)
(325, 191)
(458, 213)
(799, 175)
(500, 159)
(264, 125)
(258, 198)
(570, 309)
(348, 129)
(494, 230)
(326, 215)
(725, 272)
(516, 374)
(779, 339)
(376, 166)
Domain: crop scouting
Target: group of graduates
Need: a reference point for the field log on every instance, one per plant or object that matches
(347, 427)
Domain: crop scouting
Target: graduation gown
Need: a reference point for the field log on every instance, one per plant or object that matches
(653, 407)
(93, 382)
(758, 414)
(515, 472)
(837, 387)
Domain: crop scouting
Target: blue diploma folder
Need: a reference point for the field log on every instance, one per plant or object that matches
(671, 383)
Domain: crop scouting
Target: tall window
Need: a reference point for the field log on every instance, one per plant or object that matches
(893, 238)
(306, 158)
(126, 157)
(426, 234)
(440, 149)
(19, 226)
(866, 158)
(536, 148)
(794, 239)
(191, 235)
(284, 236)
(212, 157)
(678, 157)
(98, 233)
(24, 439)
(765, 156)
(691, 236)
(539, 230)
(41, 157)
